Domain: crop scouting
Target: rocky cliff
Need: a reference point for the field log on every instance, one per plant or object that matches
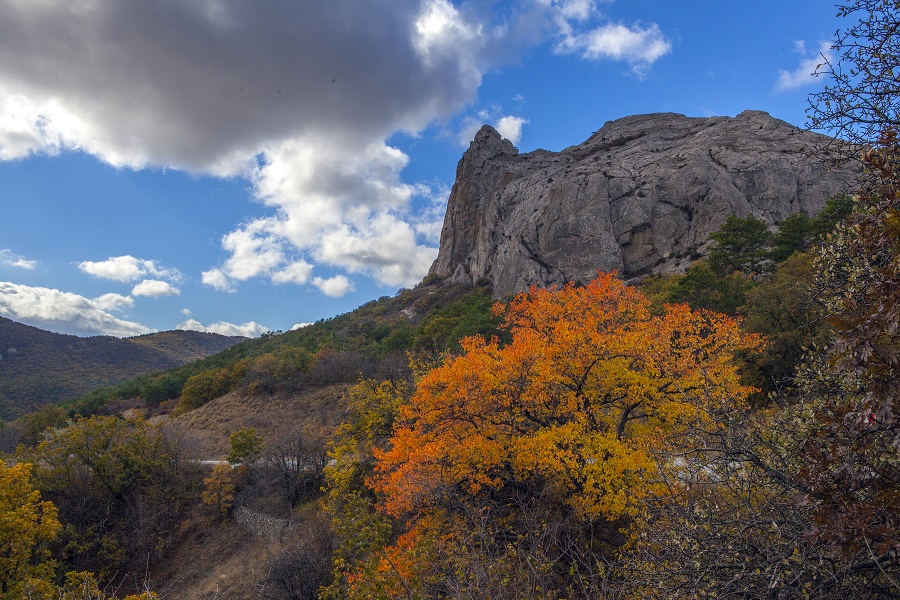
(641, 195)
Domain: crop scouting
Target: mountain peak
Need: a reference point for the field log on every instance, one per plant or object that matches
(489, 143)
(641, 195)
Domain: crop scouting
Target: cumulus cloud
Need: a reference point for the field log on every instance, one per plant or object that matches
(300, 326)
(297, 272)
(638, 46)
(387, 249)
(114, 302)
(65, 312)
(334, 287)
(298, 97)
(217, 279)
(805, 74)
(508, 126)
(154, 288)
(126, 268)
(251, 329)
(9, 259)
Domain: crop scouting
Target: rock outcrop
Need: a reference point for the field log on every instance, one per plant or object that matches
(641, 195)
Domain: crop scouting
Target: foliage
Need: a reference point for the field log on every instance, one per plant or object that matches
(798, 233)
(836, 209)
(218, 489)
(784, 308)
(702, 288)
(360, 530)
(441, 331)
(545, 440)
(369, 342)
(37, 424)
(860, 100)
(802, 501)
(795, 234)
(246, 446)
(741, 257)
(729, 525)
(122, 489)
(27, 525)
(204, 387)
(853, 474)
(77, 586)
(740, 245)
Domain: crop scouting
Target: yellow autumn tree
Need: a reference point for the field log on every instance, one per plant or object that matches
(218, 490)
(27, 525)
(513, 468)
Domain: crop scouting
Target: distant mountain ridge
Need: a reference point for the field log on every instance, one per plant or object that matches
(641, 195)
(38, 367)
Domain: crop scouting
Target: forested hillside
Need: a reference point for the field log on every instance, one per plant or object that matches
(38, 367)
(370, 341)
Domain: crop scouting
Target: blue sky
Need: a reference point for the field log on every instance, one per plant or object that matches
(240, 166)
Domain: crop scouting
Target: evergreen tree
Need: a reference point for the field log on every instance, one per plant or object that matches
(740, 245)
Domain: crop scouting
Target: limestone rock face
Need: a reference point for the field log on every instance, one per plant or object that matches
(641, 195)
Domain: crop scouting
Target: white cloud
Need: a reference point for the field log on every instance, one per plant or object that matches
(510, 127)
(345, 210)
(255, 250)
(251, 329)
(805, 74)
(297, 272)
(154, 288)
(439, 31)
(65, 312)
(9, 259)
(114, 302)
(638, 46)
(217, 279)
(387, 250)
(574, 9)
(127, 268)
(300, 326)
(334, 287)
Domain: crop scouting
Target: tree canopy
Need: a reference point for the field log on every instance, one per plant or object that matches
(562, 422)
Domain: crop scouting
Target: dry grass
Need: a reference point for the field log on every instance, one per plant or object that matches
(219, 559)
(314, 412)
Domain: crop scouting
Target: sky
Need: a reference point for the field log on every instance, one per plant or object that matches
(242, 167)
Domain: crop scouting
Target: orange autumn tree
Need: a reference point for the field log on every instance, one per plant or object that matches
(530, 457)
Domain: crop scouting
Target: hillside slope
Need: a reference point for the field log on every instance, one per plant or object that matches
(38, 367)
